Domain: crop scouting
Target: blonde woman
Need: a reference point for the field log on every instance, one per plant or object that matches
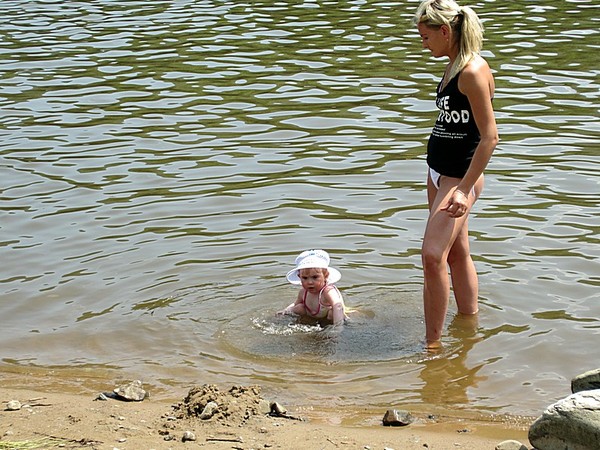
(459, 149)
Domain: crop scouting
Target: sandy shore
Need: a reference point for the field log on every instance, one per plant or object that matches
(59, 418)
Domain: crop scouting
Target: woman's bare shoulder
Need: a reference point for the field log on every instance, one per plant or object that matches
(476, 75)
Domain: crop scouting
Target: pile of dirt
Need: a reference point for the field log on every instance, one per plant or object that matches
(232, 407)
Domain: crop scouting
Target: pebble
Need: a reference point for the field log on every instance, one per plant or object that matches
(131, 392)
(209, 410)
(188, 436)
(277, 409)
(510, 445)
(13, 405)
(397, 418)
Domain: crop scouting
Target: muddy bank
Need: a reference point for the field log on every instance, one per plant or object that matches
(244, 419)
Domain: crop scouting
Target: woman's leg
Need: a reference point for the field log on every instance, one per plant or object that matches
(462, 269)
(463, 273)
(441, 233)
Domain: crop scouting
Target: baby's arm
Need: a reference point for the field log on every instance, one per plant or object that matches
(334, 299)
(294, 308)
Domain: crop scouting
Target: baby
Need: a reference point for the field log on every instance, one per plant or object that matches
(319, 298)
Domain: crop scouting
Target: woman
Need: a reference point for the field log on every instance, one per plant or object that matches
(459, 148)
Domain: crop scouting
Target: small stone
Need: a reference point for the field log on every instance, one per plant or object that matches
(131, 392)
(510, 445)
(13, 405)
(188, 436)
(397, 418)
(277, 410)
(101, 396)
(209, 410)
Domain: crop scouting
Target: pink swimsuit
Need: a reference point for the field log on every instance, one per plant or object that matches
(316, 314)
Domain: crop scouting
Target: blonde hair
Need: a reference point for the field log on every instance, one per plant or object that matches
(467, 30)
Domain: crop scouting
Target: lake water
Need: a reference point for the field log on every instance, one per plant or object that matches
(164, 162)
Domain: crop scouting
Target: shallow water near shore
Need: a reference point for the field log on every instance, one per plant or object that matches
(163, 164)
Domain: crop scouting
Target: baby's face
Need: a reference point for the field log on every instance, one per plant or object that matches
(312, 280)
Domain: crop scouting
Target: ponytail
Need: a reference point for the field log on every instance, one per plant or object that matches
(467, 29)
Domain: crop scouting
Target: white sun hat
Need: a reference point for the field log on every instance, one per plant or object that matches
(313, 259)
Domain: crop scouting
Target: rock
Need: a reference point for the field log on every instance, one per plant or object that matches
(188, 436)
(572, 423)
(13, 405)
(132, 392)
(209, 410)
(101, 396)
(510, 445)
(587, 381)
(397, 418)
(277, 410)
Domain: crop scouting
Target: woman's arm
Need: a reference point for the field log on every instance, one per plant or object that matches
(477, 83)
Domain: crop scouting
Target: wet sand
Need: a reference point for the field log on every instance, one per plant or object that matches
(63, 413)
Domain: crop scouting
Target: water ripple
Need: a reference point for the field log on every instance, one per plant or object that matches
(164, 163)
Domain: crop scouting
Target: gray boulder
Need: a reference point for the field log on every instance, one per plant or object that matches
(586, 381)
(572, 423)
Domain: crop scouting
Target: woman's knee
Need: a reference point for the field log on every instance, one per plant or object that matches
(432, 257)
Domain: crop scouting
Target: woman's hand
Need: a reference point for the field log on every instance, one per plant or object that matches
(458, 204)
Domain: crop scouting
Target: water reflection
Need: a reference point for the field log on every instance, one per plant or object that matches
(449, 377)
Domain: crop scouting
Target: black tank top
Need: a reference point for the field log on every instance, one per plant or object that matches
(455, 136)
